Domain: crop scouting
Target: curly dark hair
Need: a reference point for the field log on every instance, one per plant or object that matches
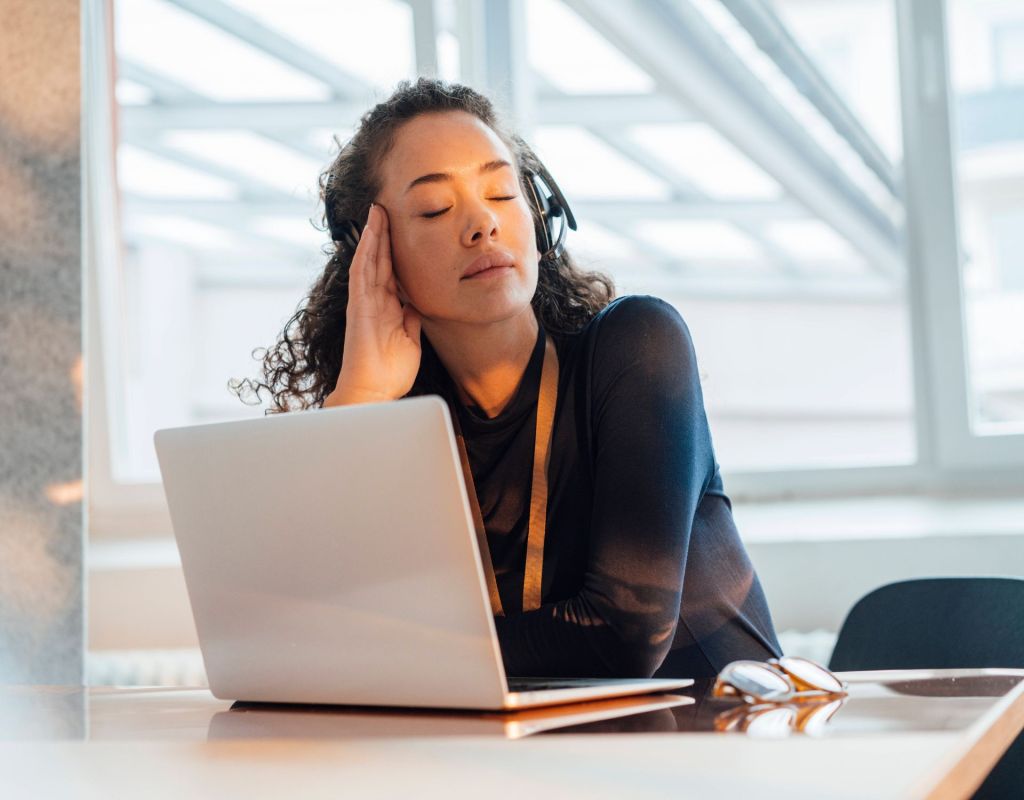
(302, 368)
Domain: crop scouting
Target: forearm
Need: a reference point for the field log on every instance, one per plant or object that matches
(583, 637)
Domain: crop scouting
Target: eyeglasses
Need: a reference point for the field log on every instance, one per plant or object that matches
(777, 720)
(779, 680)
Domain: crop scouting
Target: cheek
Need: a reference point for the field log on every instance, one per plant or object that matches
(405, 250)
(528, 235)
(417, 256)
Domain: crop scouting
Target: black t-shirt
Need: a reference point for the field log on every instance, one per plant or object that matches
(644, 571)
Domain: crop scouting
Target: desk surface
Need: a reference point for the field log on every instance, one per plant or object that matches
(900, 734)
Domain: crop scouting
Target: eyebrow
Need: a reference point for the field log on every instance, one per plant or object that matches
(438, 177)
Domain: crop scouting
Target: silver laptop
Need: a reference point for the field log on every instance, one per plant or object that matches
(330, 557)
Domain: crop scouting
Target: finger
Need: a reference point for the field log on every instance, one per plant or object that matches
(383, 264)
(372, 233)
(361, 271)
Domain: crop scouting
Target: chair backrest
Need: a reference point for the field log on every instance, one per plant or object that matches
(937, 623)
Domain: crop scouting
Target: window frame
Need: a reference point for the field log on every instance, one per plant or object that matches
(934, 250)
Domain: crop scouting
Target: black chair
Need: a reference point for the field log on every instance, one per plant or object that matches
(942, 623)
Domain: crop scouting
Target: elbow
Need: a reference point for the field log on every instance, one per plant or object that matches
(588, 636)
(640, 657)
(637, 665)
(626, 639)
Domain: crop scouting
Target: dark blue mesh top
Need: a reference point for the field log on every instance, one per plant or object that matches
(644, 571)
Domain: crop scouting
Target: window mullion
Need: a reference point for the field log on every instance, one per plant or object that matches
(931, 236)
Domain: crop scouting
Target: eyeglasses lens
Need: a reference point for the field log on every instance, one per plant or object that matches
(808, 675)
(757, 680)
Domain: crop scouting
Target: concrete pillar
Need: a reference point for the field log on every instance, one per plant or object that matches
(41, 510)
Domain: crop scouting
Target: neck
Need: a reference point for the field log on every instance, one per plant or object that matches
(486, 361)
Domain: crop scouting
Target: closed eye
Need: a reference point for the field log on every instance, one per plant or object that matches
(432, 214)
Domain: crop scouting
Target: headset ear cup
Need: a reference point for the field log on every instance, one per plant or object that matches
(543, 244)
(543, 241)
(346, 232)
(351, 234)
(533, 196)
(546, 215)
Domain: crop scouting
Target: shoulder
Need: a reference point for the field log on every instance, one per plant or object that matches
(640, 328)
(640, 364)
(642, 311)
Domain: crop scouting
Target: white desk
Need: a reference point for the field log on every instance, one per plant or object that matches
(902, 734)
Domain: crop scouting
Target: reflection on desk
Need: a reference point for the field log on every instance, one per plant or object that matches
(878, 702)
(924, 733)
(272, 721)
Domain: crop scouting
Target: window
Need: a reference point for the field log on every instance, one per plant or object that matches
(217, 166)
(988, 93)
(752, 171)
(743, 188)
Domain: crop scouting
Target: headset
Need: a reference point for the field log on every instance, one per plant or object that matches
(552, 209)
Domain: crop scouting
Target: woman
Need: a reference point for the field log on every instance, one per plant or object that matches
(452, 289)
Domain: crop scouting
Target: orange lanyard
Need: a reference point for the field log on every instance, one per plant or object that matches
(546, 399)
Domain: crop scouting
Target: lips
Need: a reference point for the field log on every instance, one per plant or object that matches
(495, 258)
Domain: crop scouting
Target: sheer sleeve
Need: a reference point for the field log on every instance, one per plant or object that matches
(652, 461)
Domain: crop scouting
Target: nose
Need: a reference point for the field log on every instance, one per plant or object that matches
(481, 223)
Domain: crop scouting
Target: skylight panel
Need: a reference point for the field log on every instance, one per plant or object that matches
(130, 93)
(595, 243)
(575, 58)
(706, 240)
(322, 140)
(449, 58)
(181, 230)
(703, 157)
(778, 85)
(587, 168)
(854, 46)
(372, 42)
(142, 173)
(810, 240)
(172, 42)
(297, 230)
(253, 155)
(1003, 161)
